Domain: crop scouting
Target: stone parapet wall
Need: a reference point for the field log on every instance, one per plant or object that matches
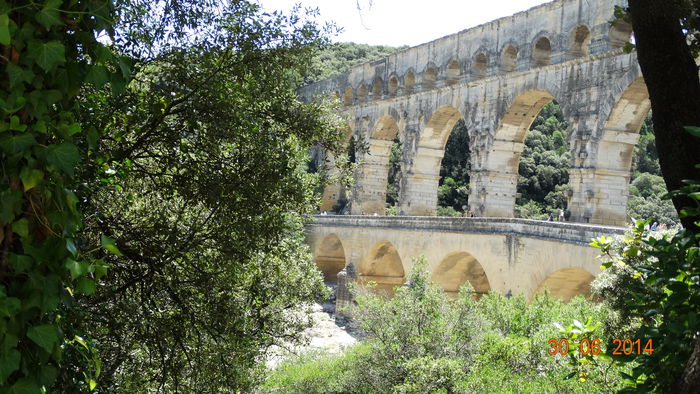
(577, 233)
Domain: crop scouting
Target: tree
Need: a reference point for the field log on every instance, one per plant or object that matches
(201, 179)
(191, 178)
(662, 31)
(666, 44)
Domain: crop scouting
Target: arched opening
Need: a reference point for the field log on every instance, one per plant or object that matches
(424, 177)
(330, 258)
(496, 188)
(336, 95)
(334, 196)
(371, 185)
(453, 188)
(458, 268)
(453, 72)
(429, 77)
(509, 59)
(393, 185)
(480, 65)
(620, 34)
(541, 52)
(543, 171)
(567, 283)
(362, 94)
(347, 96)
(580, 38)
(393, 86)
(603, 194)
(377, 89)
(409, 82)
(383, 266)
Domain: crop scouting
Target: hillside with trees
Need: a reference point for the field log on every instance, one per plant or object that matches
(338, 58)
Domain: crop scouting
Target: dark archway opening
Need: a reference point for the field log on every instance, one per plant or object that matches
(393, 185)
(453, 189)
(543, 171)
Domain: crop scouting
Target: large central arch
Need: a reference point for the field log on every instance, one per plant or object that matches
(424, 175)
(600, 192)
(495, 188)
(370, 190)
(458, 268)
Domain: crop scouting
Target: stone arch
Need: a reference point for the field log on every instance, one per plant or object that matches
(370, 189)
(429, 77)
(620, 34)
(495, 188)
(567, 283)
(330, 257)
(393, 86)
(509, 59)
(453, 72)
(579, 42)
(420, 194)
(456, 269)
(409, 82)
(362, 93)
(601, 193)
(377, 89)
(382, 265)
(438, 127)
(347, 96)
(335, 193)
(542, 52)
(480, 65)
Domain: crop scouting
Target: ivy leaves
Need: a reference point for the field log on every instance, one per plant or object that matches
(4, 29)
(52, 56)
(47, 54)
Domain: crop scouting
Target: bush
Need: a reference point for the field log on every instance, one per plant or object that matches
(419, 341)
(448, 211)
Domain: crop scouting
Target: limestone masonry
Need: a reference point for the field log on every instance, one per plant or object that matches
(496, 77)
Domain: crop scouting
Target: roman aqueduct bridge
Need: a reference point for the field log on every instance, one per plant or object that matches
(496, 77)
(502, 254)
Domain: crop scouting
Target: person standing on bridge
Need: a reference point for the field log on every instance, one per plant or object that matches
(561, 215)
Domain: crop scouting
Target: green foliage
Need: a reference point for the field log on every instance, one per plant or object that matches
(453, 191)
(645, 159)
(448, 211)
(318, 373)
(201, 184)
(544, 165)
(655, 284)
(394, 183)
(419, 341)
(646, 200)
(51, 54)
(338, 58)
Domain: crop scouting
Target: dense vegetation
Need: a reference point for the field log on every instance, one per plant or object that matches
(338, 58)
(168, 164)
(419, 341)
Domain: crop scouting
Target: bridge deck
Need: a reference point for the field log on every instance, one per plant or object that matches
(578, 233)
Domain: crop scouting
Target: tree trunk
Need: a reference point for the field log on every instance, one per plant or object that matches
(671, 76)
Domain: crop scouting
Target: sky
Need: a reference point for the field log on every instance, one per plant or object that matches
(405, 22)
